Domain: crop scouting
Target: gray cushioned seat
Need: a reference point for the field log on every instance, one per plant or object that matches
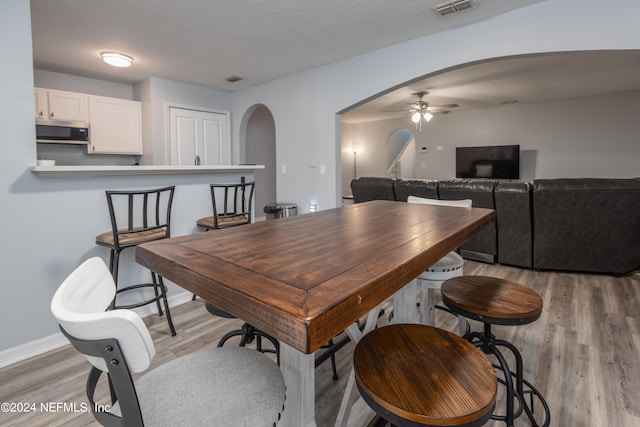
(217, 387)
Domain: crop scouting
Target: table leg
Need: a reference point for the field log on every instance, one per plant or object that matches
(298, 370)
(404, 304)
(351, 390)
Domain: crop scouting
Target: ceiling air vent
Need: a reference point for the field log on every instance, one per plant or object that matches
(453, 6)
(233, 79)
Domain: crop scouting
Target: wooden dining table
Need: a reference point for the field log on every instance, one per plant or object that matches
(307, 278)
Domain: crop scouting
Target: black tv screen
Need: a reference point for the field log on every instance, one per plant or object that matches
(495, 161)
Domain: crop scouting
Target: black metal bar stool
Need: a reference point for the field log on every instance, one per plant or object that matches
(417, 375)
(232, 206)
(138, 217)
(495, 301)
(249, 333)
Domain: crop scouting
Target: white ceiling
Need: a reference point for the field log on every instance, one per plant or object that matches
(205, 41)
(523, 79)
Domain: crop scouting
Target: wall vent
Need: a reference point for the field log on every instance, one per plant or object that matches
(233, 79)
(453, 6)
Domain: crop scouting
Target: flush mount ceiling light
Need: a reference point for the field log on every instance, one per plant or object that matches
(117, 59)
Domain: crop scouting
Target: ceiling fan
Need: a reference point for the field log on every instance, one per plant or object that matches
(421, 110)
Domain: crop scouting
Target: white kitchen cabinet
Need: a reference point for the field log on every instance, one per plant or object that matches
(41, 103)
(60, 105)
(115, 126)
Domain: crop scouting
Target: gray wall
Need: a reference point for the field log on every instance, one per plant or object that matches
(312, 131)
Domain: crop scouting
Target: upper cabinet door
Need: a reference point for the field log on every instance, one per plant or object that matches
(69, 106)
(115, 126)
(41, 104)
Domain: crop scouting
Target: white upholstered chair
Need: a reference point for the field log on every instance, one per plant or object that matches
(220, 386)
(448, 267)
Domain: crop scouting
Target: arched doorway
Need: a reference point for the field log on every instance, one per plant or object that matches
(401, 154)
(260, 148)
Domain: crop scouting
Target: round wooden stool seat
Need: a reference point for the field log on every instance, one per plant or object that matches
(495, 301)
(491, 300)
(416, 375)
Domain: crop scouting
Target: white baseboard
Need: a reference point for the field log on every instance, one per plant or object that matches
(34, 348)
(37, 347)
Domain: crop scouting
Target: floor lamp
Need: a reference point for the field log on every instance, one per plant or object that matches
(354, 147)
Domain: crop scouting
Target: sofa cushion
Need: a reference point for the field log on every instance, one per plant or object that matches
(513, 216)
(484, 245)
(425, 188)
(372, 188)
(586, 224)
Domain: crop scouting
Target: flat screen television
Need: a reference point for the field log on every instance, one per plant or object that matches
(495, 161)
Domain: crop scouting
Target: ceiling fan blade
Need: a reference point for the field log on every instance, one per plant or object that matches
(438, 111)
(404, 110)
(445, 106)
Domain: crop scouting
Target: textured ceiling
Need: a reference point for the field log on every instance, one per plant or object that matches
(205, 41)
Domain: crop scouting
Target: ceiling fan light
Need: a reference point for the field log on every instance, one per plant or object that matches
(415, 117)
(117, 59)
(427, 116)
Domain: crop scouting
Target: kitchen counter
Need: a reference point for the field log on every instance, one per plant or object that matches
(88, 171)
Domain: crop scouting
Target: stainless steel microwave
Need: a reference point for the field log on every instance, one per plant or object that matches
(61, 132)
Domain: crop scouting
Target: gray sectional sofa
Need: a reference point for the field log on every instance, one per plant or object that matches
(573, 224)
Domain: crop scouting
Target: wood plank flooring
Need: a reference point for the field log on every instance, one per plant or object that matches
(583, 354)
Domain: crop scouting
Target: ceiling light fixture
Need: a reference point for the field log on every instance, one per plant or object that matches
(420, 110)
(117, 59)
(416, 117)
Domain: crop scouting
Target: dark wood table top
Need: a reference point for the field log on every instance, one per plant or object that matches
(491, 300)
(304, 279)
(421, 375)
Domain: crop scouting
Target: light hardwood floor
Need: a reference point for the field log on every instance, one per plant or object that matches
(583, 354)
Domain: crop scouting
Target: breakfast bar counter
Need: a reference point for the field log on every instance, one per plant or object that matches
(72, 199)
(85, 171)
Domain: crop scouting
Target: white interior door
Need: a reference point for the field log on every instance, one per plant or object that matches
(198, 134)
